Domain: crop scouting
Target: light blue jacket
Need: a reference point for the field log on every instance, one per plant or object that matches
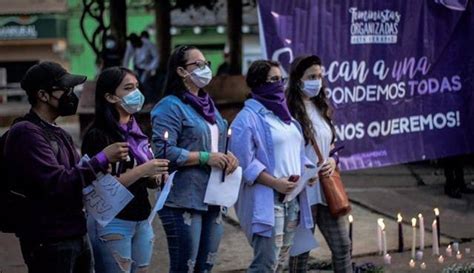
(188, 132)
(252, 144)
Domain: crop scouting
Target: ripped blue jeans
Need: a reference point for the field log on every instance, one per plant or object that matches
(121, 246)
(271, 253)
(193, 238)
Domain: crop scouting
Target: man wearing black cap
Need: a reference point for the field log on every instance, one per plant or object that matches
(43, 168)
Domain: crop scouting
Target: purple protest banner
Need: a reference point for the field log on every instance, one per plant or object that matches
(400, 74)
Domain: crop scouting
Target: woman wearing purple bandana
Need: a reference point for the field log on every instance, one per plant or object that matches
(126, 243)
(269, 145)
(197, 138)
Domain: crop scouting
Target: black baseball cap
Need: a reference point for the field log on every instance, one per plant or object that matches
(49, 76)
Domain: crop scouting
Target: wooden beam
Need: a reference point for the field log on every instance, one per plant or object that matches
(234, 35)
(163, 36)
(118, 23)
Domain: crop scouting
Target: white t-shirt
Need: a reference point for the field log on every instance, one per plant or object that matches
(214, 137)
(323, 136)
(287, 146)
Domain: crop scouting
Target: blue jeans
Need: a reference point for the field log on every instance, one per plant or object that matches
(272, 253)
(121, 246)
(193, 237)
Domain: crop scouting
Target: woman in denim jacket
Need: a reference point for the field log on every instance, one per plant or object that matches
(270, 147)
(197, 135)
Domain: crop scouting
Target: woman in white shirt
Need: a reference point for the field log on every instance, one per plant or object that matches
(308, 104)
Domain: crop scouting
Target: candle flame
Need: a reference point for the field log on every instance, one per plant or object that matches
(413, 222)
(434, 222)
(436, 211)
(459, 252)
(166, 135)
(229, 132)
(382, 225)
(449, 247)
(399, 217)
(420, 215)
(351, 219)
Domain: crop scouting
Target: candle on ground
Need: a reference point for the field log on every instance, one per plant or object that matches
(423, 266)
(422, 231)
(435, 238)
(400, 233)
(412, 263)
(459, 255)
(387, 259)
(441, 259)
(413, 242)
(379, 235)
(438, 225)
(449, 251)
(229, 133)
(384, 239)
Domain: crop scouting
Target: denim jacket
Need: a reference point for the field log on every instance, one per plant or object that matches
(188, 132)
(252, 144)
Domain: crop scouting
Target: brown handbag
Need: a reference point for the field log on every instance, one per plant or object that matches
(336, 196)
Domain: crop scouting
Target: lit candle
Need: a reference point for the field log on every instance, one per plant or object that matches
(449, 251)
(436, 211)
(400, 233)
(379, 235)
(229, 133)
(412, 263)
(384, 239)
(351, 219)
(435, 238)
(441, 259)
(387, 259)
(165, 148)
(413, 242)
(423, 266)
(422, 231)
(166, 144)
(459, 255)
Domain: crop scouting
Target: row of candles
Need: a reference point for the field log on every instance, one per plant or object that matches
(415, 255)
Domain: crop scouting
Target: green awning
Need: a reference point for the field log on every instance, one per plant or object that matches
(32, 27)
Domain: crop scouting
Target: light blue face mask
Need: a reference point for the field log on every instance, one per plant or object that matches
(133, 102)
(311, 88)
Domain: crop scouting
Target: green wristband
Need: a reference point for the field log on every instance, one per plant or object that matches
(203, 158)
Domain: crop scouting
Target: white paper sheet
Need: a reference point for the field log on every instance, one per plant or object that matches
(303, 241)
(223, 193)
(105, 198)
(161, 197)
(301, 183)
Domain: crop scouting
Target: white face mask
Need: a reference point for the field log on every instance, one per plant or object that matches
(201, 77)
(133, 102)
(311, 88)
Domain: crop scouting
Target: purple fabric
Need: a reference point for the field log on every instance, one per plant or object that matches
(54, 181)
(138, 142)
(399, 74)
(203, 104)
(272, 96)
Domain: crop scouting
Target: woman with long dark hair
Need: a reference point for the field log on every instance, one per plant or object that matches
(307, 102)
(126, 243)
(195, 143)
(270, 147)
